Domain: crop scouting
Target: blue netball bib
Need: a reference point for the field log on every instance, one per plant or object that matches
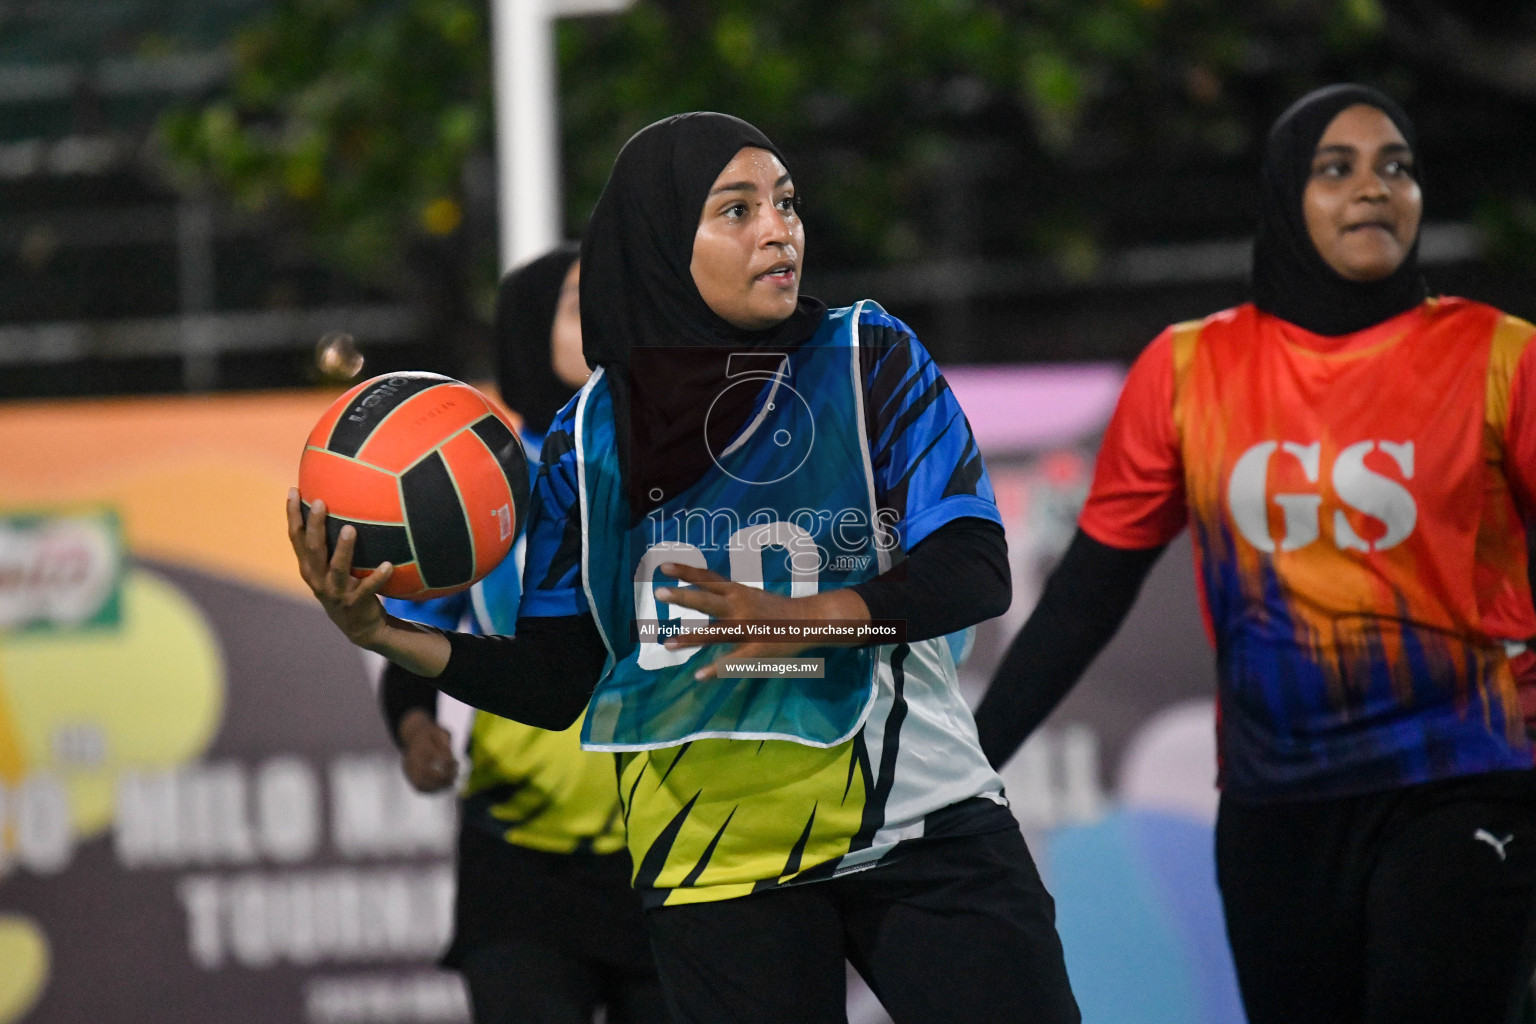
(788, 504)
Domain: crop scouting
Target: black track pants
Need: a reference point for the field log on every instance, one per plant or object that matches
(1413, 906)
(956, 929)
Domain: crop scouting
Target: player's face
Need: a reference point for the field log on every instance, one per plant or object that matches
(565, 356)
(749, 244)
(1362, 204)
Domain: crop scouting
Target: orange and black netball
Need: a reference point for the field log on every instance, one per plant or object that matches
(429, 472)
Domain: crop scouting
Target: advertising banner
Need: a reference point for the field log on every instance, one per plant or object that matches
(201, 818)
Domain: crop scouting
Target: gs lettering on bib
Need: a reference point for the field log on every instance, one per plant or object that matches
(785, 503)
(1357, 486)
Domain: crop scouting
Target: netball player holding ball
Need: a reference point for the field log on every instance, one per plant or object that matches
(744, 454)
(1357, 463)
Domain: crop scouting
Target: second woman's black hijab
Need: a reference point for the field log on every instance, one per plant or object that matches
(1290, 279)
(638, 296)
(526, 304)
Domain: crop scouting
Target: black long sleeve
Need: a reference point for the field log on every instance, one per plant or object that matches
(958, 576)
(541, 677)
(1085, 601)
(402, 691)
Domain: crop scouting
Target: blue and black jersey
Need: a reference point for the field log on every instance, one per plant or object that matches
(711, 815)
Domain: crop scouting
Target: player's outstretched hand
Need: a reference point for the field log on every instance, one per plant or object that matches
(726, 601)
(353, 604)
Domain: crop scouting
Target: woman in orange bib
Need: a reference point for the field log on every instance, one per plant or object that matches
(1357, 464)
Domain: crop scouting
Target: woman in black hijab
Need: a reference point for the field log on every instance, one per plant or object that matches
(546, 927)
(537, 336)
(1291, 279)
(795, 468)
(661, 344)
(1356, 462)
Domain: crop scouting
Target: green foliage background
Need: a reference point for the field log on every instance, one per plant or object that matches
(356, 119)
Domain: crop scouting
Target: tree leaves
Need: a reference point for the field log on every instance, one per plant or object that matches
(356, 117)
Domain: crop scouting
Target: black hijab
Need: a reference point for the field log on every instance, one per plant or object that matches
(1290, 279)
(526, 304)
(642, 318)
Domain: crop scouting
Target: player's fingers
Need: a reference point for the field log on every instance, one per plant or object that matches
(295, 518)
(440, 743)
(714, 668)
(370, 585)
(441, 766)
(341, 561)
(430, 774)
(768, 649)
(297, 539)
(687, 638)
(713, 605)
(702, 578)
(314, 533)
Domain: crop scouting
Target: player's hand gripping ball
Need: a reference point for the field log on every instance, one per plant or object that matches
(430, 474)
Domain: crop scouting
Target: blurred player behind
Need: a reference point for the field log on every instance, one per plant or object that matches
(546, 926)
